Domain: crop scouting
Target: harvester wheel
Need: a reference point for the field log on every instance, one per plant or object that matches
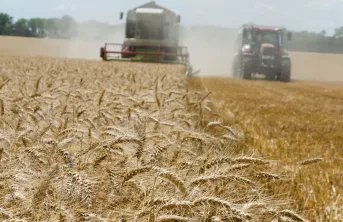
(234, 70)
(102, 55)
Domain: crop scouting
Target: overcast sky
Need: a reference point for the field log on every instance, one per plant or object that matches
(313, 15)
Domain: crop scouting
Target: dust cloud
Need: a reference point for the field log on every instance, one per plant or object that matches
(90, 36)
(210, 49)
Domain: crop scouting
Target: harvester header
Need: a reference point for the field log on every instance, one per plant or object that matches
(151, 35)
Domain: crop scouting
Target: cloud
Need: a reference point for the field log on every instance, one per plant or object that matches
(264, 6)
(325, 5)
(65, 7)
(60, 7)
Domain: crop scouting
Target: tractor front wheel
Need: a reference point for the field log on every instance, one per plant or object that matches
(245, 68)
(285, 73)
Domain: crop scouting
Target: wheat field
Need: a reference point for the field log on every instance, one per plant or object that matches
(86, 140)
(94, 141)
(300, 126)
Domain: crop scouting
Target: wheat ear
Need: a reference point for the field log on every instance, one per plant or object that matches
(174, 218)
(172, 178)
(292, 215)
(311, 161)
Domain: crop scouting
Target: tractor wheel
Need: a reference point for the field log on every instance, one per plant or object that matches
(245, 69)
(285, 74)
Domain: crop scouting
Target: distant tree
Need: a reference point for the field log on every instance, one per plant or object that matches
(21, 28)
(6, 22)
(36, 26)
(322, 33)
(338, 32)
(52, 27)
(68, 27)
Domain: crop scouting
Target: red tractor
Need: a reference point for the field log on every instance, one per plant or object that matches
(261, 50)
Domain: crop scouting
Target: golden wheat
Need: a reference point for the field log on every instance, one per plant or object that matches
(290, 124)
(87, 140)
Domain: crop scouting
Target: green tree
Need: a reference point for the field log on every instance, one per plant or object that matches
(68, 27)
(6, 22)
(322, 33)
(52, 27)
(36, 26)
(338, 32)
(21, 28)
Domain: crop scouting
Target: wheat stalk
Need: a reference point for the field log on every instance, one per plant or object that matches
(1, 152)
(38, 195)
(173, 178)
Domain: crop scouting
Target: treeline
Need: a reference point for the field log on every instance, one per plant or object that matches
(67, 28)
(59, 28)
(305, 41)
(302, 41)
(63, 28)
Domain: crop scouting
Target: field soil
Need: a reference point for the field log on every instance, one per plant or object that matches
(305, 66)
(98, 132)
(317, 67)
(50, 47)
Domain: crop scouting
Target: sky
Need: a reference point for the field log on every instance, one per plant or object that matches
(312, 15)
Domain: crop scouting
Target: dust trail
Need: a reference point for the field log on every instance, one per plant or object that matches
(210, 48)
(91, 36)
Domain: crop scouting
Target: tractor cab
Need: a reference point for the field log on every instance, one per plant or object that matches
(257, 37)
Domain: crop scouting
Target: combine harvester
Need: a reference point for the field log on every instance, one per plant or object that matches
(151, 35)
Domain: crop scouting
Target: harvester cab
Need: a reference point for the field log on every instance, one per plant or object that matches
(261, 50)
(151, 35)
